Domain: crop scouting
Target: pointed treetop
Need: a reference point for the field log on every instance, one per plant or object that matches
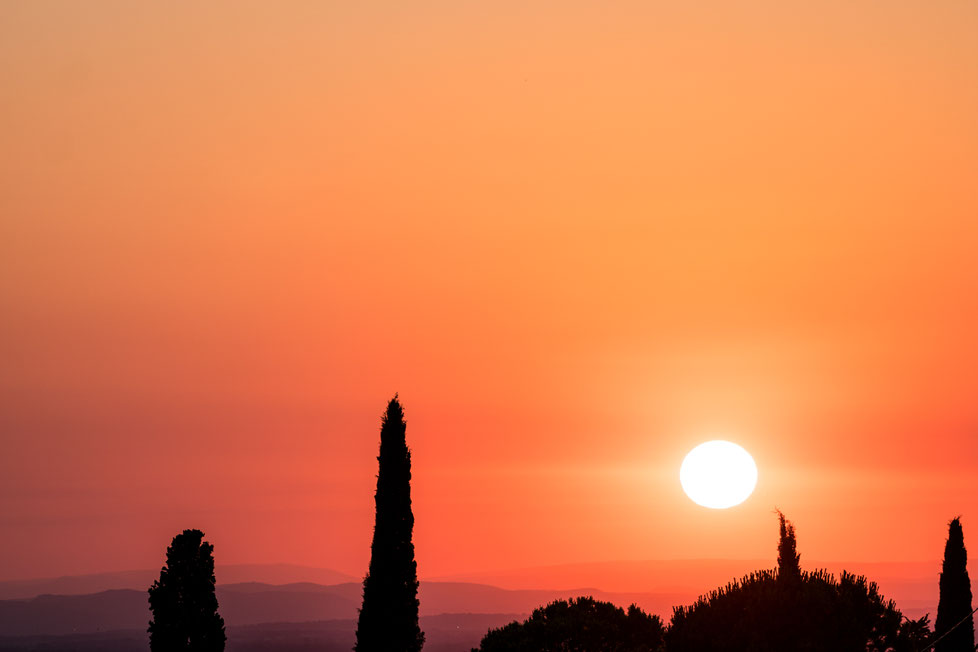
(388, 620)
(955, 623)
(788, 557)
(955, 553)
(954, 530)
(395, 412)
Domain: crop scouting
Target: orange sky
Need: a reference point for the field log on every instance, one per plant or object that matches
(577, 238)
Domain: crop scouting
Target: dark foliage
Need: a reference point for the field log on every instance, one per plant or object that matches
(389, 615)
(789, 561)
(183, 601)
(787, 609)
(955, 600)
(761, 614)
(581, 625)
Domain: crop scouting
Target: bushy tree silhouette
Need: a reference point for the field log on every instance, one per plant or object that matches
(581, 624)
(183, 601)
(813, 612)
(955, 600)
(789, 568)
(389, 616)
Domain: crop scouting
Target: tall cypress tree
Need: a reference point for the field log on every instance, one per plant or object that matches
(788, 557)
(389, 615)
(955, 600)
(183, 601)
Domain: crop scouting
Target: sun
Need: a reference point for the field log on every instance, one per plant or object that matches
(718, 474)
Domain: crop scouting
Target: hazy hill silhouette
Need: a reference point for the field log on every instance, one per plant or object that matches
(912, 584)
(68, 614)
(446, 633)
(127, 609)
(140, 579)
(254, 603)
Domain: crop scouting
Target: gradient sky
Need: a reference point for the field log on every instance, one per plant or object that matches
(578, 238)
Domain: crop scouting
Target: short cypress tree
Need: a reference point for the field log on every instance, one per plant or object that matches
(788, 557)
(955, 600)
(389, 615)
(183, 601)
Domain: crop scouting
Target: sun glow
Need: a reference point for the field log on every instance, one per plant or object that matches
(718, 474)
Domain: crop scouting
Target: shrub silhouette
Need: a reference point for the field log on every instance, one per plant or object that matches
(183, 601)
(583, 624)
(389, 616)
(955, 600)
(771, 611)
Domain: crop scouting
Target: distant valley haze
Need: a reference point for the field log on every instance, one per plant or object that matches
(656, 586)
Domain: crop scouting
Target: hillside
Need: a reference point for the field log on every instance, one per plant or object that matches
(256, 603)
(444, 633)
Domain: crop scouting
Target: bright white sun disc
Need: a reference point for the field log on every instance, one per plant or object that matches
(718, 474)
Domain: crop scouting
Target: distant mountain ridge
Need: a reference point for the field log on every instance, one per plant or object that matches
(254, 603)
(676, 574)
(913, 585)
(672, 575)
(108, 601)
(141, 579)
(443, 633)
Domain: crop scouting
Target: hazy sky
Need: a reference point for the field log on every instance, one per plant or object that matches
(578, 238)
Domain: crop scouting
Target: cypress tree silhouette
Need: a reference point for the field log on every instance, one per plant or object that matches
(389, 615)
(955, 600)
(183, 602)
(788, 557)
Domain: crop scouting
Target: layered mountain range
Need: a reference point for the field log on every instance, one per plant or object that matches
(287, 607)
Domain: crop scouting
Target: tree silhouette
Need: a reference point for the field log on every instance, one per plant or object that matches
(812, 613)
(389, 615)
(581, 624)
(788, 558)
(183, 602)
(955, 600)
